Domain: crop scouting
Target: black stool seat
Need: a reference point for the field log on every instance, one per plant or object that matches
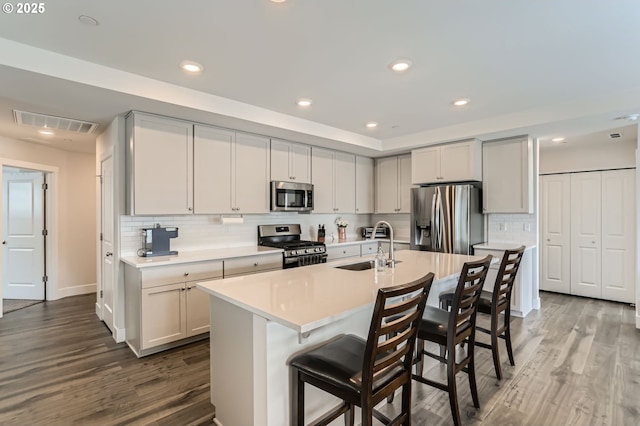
(364, 372)
(484, 304)
(434, 324)
(338, 364)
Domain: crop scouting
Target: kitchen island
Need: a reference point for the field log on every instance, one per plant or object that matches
(259, 322)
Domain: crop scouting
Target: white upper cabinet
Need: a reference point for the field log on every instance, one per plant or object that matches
(454, 162)
(290, 161)
(231, 171)
(507, 182)
(159, 165)
(365, 196)
(334, 181)
(212, 169)
(393, 184)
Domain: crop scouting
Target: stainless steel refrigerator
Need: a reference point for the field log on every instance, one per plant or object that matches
(446, 218)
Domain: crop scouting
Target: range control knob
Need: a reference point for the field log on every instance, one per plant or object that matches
(294, 252)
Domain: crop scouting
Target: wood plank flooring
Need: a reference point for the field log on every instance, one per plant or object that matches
(577, 363)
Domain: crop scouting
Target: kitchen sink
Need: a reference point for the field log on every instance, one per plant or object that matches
(360, 266)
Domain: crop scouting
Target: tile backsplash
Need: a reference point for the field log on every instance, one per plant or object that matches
(520, 228)
(203, 232)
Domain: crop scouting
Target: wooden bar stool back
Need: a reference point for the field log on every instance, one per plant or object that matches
(363, 373)
(450, 328)
(499, 302)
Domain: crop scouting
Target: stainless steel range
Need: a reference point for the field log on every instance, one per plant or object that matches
(297, 252)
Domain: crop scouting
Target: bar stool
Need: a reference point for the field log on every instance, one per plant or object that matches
(363, 373)
(450, 328)
(497, 302)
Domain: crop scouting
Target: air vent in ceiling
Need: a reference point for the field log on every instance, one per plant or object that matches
(53, 122)
(615, 135)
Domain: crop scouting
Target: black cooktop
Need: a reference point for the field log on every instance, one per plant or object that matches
(292, 244)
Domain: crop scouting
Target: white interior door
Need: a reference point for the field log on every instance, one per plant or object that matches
(107, 246)
(555, 206)
(618, 235)
(586, 244)
(23, 244)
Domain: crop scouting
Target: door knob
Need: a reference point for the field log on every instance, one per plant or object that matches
(4, 242)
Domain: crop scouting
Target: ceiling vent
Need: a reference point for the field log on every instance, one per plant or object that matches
(615, 135)
(52, 122)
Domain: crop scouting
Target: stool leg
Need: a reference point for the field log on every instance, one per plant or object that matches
(507, 339)
(494, 346)
(453, 393)
(297, 408)
(349, 416)
(419, 356)
(471, 368)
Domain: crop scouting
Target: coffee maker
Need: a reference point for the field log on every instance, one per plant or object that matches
(155, 241)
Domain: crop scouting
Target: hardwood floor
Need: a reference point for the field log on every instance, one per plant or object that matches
(577, 363)
(60, 366)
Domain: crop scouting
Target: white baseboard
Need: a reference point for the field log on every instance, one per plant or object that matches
(536, 303)
(72, 291)
(119, 334)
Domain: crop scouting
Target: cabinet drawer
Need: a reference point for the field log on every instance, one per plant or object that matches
(252, 264)
(196, 271)
(369, 248)
(343, 251)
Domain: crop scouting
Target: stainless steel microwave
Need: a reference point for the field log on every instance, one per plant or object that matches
(291, 196)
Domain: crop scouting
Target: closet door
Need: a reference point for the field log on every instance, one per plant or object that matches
(618, 231)
(555, 206)
(586, 243)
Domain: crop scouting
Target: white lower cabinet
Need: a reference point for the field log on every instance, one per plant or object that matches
(252, 264)
(522, 292)
(163, 308)
(369, 248)
(341, 251)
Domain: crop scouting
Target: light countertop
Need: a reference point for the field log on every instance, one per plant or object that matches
(198, 256)
(502, 246)
(309, 297)
(353, 241)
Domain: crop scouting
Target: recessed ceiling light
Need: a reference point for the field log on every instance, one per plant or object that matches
(400, 65)
(461, 102)
(304, 102)
(278, 1)
(557, 140)
(88, 20)
(371, 124)
(630, 117)
(191, 67)
(46, 132)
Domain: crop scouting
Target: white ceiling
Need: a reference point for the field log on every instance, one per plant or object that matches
(565, 67)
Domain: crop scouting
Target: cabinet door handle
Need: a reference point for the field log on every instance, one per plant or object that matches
(190, 209)
(182, 289)
(186, 274)
(255, 264)
(107, 254)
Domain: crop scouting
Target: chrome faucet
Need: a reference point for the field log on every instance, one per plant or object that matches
(392, 259)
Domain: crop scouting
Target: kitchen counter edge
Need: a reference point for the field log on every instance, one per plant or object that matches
(198, 256)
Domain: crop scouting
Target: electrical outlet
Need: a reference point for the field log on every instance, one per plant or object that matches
(503, 226)
(526, 227)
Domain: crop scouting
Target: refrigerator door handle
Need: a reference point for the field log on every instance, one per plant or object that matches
(434, 223)
(438, 220)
